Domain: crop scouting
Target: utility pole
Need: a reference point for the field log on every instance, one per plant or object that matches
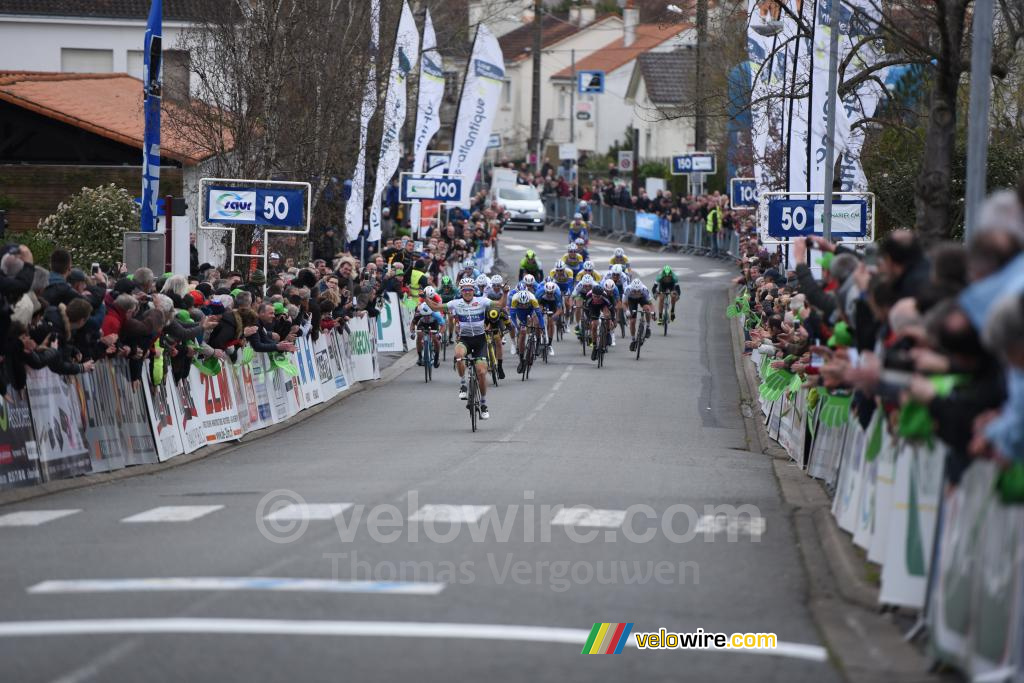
(977, 127)
(572, 126)
(830, 129)
(700, 133)
(535, 110)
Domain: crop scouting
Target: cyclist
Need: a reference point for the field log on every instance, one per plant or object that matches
(426, 321)
(588, 269)
(448, 291)
(617, 275)
(471, 311)
(578, 229)
(495, 292)
(524, 307)
(667, 283)
(468, 270)
(608, 285)
(579, 296)
(573, 259)
(550, 300)
(495, 325)
(581, 247)
(619, 258)
(584, 210)
(431, 293)
(564, 279)
(529, 282)
(482, 284)
(530, 264)
(596, 303)
(637, 296)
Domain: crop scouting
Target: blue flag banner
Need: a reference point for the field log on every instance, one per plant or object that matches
(151, 85)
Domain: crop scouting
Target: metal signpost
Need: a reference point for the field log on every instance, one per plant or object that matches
(274, 206)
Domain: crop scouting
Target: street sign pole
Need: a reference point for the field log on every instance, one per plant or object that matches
(977, 127)
(830, 130)
(572, 121)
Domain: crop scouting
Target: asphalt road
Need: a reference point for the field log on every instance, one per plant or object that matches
(657, 440)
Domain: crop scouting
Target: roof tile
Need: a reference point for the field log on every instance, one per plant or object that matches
(616, 54)
(669, 76)
(108, 9)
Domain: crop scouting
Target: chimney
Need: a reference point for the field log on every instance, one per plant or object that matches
(574, 16)
(630, 18)
(587, 15)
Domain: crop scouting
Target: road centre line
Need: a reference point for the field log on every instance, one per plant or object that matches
(394, 629)
(233, 583)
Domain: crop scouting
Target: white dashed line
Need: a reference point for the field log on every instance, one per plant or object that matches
(454, 514)
(34, 517)
(311, 511)
(173, 513)
(587, 516)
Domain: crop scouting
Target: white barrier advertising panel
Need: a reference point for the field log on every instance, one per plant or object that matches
(309, 378)
(390, 334)
(163, 416)
(910, 519)
(884, 476)
(359, 344)
(214, 403)
(255, 403)
(57, 421)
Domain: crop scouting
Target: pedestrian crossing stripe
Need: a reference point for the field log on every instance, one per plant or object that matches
(34, 517)
(454, 514)
(173, 513)
(589, 517)
(307, 511)
(731, 524)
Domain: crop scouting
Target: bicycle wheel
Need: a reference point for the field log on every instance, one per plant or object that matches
(428, 362)
(622, 324)
(492, 361)
(641, 330)
(664, 318)
(471, 403)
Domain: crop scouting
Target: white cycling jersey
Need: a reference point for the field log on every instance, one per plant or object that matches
(471, 314)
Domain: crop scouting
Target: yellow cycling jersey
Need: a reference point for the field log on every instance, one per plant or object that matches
(572, 259)
(563, 277)
(619, 260)
(529, 306)
(594, 274)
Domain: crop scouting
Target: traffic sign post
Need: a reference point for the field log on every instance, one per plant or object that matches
(626, 160)
(273, 206)
(698, 162)
(784, 217)
(417, 187)
(743, 193)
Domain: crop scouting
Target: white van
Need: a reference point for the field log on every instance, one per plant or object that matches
(522, 203)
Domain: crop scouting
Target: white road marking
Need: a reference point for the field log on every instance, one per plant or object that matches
(583, 516)
(232, 583)
(394, 629)
(173, 513)
(714, 273)
(454, 514)
(34, 517)
(713, 524)
(311, 511)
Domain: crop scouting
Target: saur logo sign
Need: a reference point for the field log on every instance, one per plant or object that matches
(233, 206)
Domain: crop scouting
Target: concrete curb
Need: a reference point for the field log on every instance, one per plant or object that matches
(865, 645)
(12, 496)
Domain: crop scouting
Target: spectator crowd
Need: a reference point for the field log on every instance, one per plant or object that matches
(933, 335)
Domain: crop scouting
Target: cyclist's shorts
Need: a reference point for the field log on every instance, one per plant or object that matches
(566, 287)
(549, 305)
(475, 346)
(431, 326)
(521, 316)
(636, 303)
(595, 310)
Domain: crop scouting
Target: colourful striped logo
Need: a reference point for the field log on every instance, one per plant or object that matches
(607, 639)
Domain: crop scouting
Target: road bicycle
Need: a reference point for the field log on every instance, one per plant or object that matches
(641, 332)
(560, 326)
(473, 393)
(492, 359)
(427, 356)
(602, 339)
(529, 350)
(665, 308)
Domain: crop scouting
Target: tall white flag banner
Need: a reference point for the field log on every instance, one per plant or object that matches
(354, 205)
(478, 107)
(768, 71)
(428, 109)
(403, 61)
(803, 89)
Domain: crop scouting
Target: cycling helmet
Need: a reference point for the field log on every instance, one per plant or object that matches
(529, 280)
(588, 265)
(429, 292)
(468, 263)
(559, 265)
(423, 309)
(521, 287)
(577, 216)
(446, 280)
(619, 252)
(493, 314)
(667, 270)
(530, 254)
(467, 283)
(608, 285)
(636, 286)
(572, 247)
(587, 281)
(617, 269)
(482, 281)
(522, 297)
(583, 203)
(580, 241)
(550, 287)
(497, 281)
(549, 279)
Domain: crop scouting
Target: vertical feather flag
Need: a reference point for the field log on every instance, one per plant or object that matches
(428, 108)
(354, 206)
(151, 87)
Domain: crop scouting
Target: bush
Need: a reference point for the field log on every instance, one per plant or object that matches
(92, 223)
(38, 242)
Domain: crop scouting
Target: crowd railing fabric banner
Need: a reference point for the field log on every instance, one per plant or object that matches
(67, 426)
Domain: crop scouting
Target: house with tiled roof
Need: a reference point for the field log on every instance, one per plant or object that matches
(580, 32)
(662, 92)
(88, 36)
(64, 131)
(602, 119)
